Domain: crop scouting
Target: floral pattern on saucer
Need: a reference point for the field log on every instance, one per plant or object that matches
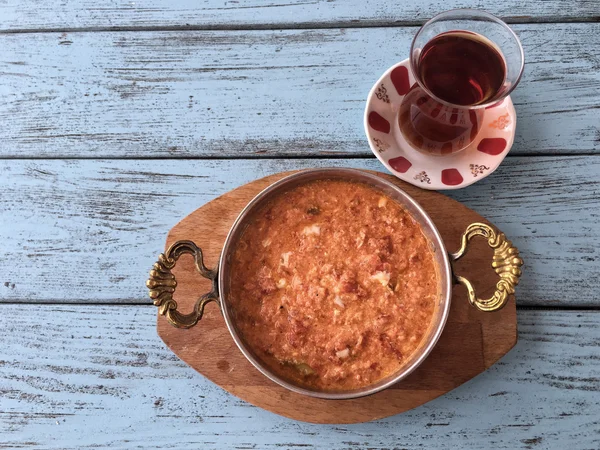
(453, 171)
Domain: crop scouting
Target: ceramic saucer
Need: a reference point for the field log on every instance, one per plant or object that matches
(453, 171)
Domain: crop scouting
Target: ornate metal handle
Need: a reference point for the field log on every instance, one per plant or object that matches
(162, 284)
(506, 263)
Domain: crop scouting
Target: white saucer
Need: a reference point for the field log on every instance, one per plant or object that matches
(453, 171)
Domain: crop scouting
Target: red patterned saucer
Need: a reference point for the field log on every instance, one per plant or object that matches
(453, 171)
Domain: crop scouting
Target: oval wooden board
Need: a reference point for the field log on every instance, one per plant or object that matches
(471, 342)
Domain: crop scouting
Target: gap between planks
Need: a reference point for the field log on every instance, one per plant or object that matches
(289, 25)
(245, 157)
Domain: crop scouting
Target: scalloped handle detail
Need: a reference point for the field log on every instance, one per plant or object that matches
(506, 262)
(162, 284)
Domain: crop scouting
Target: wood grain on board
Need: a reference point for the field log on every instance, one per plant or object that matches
(77, 376)
(90, 14)
(471, 342)
(104, 222)
(257, 93)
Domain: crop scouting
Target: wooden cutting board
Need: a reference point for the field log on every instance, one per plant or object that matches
(471, 342)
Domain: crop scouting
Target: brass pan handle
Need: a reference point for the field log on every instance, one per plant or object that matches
(506, 263)
(162, 284)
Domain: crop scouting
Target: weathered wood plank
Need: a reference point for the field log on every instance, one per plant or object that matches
(248, 93)
(75, 377)
(89, 230)
(273, 14)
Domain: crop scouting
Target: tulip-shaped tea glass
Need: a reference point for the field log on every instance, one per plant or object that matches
(463, 61)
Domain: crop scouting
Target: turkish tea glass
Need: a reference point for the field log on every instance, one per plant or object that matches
(464, 61)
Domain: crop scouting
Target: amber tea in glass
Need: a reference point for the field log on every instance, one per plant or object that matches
(459, 61)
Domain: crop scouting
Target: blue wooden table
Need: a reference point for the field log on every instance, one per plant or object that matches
(118, 118)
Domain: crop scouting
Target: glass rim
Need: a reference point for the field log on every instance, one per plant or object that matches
(480, 13)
